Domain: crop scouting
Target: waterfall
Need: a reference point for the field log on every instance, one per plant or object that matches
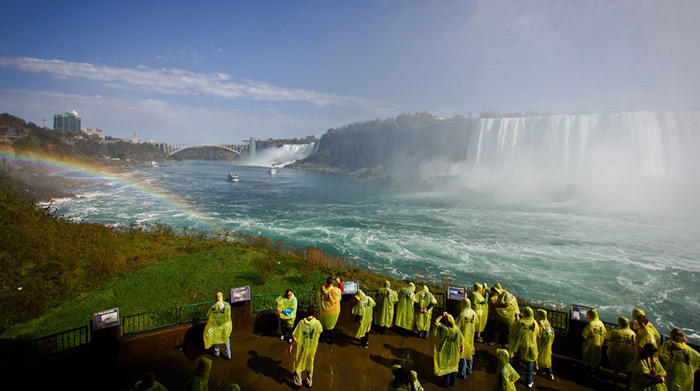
(286, 154)
(621, 154)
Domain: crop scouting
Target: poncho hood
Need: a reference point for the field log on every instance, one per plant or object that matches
(425, 288)
(387, 284)
(623, 322)
(450, 320)
(636, 312)
(541, 315)
(359, 295)
(466, 303)
(592, 315)
(528, 313)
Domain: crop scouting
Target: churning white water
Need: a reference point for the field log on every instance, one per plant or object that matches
(596, 209)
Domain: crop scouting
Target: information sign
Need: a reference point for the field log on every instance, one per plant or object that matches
(578, 312)
(456, 293)
(105, 319)
(240, 294)
(350, 287)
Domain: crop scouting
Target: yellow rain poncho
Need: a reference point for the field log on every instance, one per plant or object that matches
(545, 340)
(363, 309)
(639, 367)
(219, 325)
(199, 380)
(329, 306)
(448, 343)
(288, 309)
(647, 334)
(622, 350)
(480, 305)
(384, 311)
(523, 337)
(636, 327)
(413, 381)
(506, 375)
(594, 336)
(424, 299)
(506, 304)
(468, 323)
(681, 362)
(306, 335)
(404, 307)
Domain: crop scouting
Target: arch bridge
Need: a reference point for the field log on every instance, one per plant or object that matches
(175, 148)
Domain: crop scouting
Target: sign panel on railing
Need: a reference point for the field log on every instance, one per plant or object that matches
(578, 312)
(350, 287)
(104, 319)
(240, 294)
(456, 293)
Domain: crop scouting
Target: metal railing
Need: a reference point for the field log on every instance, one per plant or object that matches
(147, 321)
(24, 352)
(267, 302)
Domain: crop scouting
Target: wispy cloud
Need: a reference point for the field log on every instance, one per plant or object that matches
(182, 82)
(160, 120)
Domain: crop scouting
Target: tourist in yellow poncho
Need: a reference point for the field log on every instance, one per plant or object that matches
(480, 305)
(148, 382)
(287, 310)
(593, 338)
(545, 340)
(506, 375)
(424, 302)
(363, 310)
(404, 307)
(219, 326)
(622, 350)
(647, 372)
(386, 299)
(636, 327)
(523, 343)
(505, 306)
(680, 362)
(329, 306)
(404, 380)
(199, 380)
(449, 345)
(468, 323)
(646, 333)
(306, 335)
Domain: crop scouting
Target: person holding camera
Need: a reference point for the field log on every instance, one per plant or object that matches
(329, 307)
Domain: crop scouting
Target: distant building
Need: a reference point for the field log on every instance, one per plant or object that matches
(94, 132)
(69, 122)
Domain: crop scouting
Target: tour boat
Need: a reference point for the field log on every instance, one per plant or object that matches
(233, 177)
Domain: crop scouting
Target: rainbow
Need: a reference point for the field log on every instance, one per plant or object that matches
(101, 175)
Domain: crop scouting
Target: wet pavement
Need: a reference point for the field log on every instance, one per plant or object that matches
(263, 363)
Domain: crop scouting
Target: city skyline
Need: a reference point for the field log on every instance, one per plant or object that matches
(228, 71)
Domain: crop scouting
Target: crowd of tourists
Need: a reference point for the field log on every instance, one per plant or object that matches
(634, 351)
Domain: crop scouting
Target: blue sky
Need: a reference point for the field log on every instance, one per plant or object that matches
(222, 71)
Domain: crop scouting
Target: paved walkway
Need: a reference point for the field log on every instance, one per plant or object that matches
(262, 363)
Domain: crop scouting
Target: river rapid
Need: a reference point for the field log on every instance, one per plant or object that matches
(554, 252)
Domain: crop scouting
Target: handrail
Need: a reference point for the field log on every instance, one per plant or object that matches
(38, 348)
(28, 351)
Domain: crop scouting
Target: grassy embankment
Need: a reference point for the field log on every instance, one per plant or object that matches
(67, 271)
(54, 274)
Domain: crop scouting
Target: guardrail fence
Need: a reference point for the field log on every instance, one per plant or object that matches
(29, 351)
